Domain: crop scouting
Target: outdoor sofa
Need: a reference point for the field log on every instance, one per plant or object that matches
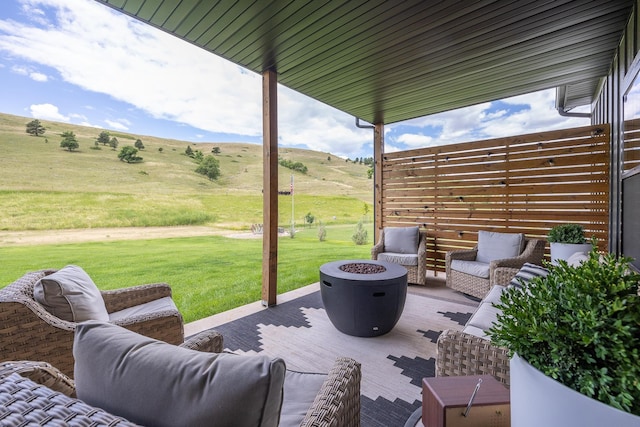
(470, 351)
(125, 379)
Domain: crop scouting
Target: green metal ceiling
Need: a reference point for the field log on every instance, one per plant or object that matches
(389, 61)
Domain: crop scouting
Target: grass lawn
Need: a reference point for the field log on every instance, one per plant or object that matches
(208, 275)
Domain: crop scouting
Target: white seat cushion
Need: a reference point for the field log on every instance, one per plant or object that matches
(402, 259)
(485, 315)
(474, 268)
(155, 306)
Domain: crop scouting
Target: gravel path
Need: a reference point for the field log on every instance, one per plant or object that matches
(44, 237)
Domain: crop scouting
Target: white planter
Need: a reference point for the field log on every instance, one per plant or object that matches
(565, 250)
(537, 400)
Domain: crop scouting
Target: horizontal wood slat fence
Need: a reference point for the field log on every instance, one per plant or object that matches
(631, 144)
(521, 184)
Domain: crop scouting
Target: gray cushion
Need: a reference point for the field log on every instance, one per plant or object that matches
(157, 384)
(300, 390)
(485, 315)
(492, 245)
(151, 307)
(402, 259)
(401, 240)
(474, 268)
(526, 273)
(71, 295)
(577, 258)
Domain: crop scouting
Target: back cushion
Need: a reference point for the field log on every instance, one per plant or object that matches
(71, 295)
(157, 384)
(492, 245)
(526, 274)
(401, 240)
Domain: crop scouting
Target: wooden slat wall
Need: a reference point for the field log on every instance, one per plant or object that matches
(631, 144)
(521, 184)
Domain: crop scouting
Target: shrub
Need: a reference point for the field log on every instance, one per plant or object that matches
(581, 326)
(567, 233)
(360, 236)
(322, 232)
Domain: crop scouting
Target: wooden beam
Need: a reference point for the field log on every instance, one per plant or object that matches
(270, 188)
(378, 151)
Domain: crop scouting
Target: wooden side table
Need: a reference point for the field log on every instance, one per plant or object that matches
(445, 400)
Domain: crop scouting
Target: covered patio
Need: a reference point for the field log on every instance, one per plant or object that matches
(387, 62)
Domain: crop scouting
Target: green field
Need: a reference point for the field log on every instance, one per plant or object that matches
(43, 187)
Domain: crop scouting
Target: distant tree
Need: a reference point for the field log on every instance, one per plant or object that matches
(104, 138)
(329, 158)
(209, 167)
(296, 166)
(215, 150)
(139, 145)
(360, 236)
(198, 156)
(189, 151)
(34, 127)
(370, 172)
(322, 232)
(129, 154)
(69, 141)
(113, 143)
(160, 149)
(308, 218)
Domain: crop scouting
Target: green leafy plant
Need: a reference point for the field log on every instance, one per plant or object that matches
(581, 326)
(567, 233)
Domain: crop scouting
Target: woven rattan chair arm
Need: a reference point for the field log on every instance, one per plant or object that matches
(40, 373)
(167, 326)
(462, 254)
(338, 401)
(503, 275)
(119, 299)
(464, 354)
(378, 248)
(533, 253)
(208, 341)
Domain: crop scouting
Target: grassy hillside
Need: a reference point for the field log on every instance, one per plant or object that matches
(43, 186)
(47, 166)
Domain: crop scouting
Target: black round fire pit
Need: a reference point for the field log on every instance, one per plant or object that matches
(363, 298)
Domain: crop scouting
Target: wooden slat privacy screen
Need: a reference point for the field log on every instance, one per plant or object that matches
(631, 144)
(521, 184)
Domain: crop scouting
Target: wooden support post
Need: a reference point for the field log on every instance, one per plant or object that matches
(270, 188)
(378, 151)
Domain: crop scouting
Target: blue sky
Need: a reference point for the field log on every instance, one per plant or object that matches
(79, 62)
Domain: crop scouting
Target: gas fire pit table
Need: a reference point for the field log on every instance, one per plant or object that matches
(363, 298)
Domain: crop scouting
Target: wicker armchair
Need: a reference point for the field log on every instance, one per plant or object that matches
(337, 404)
(500, 271)
(29, 332)
(416, 274)
(465, 354)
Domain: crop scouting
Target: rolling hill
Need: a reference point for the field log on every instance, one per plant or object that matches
(39, 163)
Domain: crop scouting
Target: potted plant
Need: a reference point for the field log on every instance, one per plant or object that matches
(566, 240)
(574, 334)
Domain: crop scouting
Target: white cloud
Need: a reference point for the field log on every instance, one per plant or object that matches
(100, 50)
(47, 112)
(118, 124)
(39, 77)
(415, 140)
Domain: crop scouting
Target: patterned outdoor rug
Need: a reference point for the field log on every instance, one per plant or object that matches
(393, 364)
